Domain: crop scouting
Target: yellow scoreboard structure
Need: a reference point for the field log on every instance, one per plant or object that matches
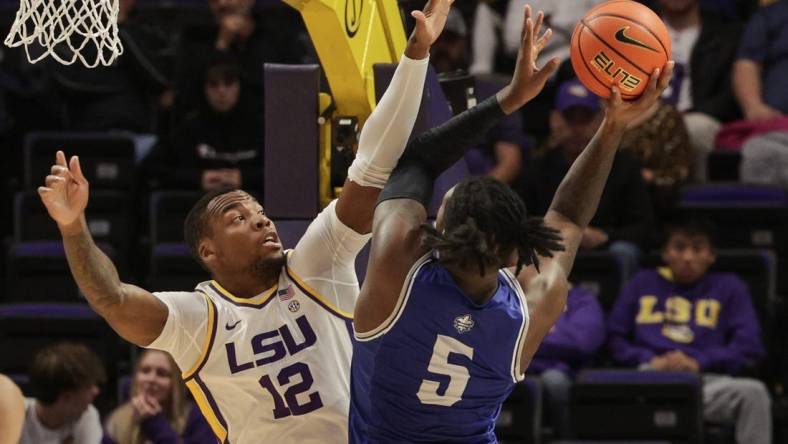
(350, 36)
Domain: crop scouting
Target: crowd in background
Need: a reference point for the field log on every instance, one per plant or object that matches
(191, 97)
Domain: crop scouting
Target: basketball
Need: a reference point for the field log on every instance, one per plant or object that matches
(619, 42)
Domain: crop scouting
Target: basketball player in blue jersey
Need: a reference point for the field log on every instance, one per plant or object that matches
(264, 347)
(444, 326)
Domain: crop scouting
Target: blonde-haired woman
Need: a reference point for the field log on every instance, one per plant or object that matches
(157, 411)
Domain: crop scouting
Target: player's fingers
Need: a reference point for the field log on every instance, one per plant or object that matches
(528, 43)
(45, 193)
(538, 22)
(667, 74)
(53, 181)
(544, 39)
(60, 158)
(57, 170)
(419, 16)
(526, 16)
(547, 70)
(615, 97)
(76, 169)
(652, 91)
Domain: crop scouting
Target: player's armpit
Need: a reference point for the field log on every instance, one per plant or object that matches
(137, 315)
(546, 295)
(396, 246)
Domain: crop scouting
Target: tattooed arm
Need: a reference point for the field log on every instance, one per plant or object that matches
(135, 314)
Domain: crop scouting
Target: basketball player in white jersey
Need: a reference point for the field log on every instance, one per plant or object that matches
(264, 347)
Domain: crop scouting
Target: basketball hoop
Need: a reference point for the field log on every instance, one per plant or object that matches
(68, 30)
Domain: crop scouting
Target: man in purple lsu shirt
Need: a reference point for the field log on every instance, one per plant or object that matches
(683, 318)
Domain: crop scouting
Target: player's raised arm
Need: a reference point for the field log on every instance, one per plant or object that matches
(574, 205)
(396, 240)
(133, 313)
(387, 129)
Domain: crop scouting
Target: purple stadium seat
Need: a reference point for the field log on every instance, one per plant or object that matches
(734, 194)
(634, 405)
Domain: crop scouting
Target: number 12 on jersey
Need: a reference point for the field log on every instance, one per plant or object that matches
(439, 365)
(290, 404)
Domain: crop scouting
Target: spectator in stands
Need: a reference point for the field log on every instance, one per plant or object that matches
(569, 346)
(158, 412)
(121, 96)
(759, 84)
(659, 140)
(276, 36)
(500, 154)
(219, 145)
(683, 318)
(704, 48)
(65, 379)
(624, 220)
(12, 411)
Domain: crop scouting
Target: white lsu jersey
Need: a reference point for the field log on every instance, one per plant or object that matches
(283, 357)
(275, 367)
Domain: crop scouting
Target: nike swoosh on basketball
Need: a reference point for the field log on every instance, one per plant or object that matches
(230, 327)
(623, 38)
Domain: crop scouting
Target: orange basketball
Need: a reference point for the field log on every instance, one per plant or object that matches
(619, 42)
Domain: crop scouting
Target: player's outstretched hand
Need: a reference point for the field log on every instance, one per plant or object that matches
(623, 112)
(429, 24)
(528, 80)
(65, 191)
(431, 20)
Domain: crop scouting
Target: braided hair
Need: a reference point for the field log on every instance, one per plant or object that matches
(484, 221)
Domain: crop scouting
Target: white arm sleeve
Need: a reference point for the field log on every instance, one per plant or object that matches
(325, 258)
(387, 129)
(484, 40)
(186, 327)
(88, 428)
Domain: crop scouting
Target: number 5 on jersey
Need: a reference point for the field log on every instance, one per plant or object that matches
(439, 365)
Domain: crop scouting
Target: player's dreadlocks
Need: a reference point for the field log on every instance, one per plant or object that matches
(484, 221)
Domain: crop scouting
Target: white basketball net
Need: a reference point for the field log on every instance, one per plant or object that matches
(68, 30)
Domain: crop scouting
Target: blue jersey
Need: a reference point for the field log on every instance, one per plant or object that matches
(440, 367)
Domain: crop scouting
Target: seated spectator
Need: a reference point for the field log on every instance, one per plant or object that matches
(660, 141)
(759, 84)
(624, 220)
(704, 48)
(276, 35)
(500, 153)
(569, 346)
(157, 411)
(65, 379)
(219, 145)
(683, 318)
(12, 411)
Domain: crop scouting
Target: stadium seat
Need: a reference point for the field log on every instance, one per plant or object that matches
(172, 266)
(520, 419)
(601, 273)
(634, 405)
(36, 263)
(107, 160)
